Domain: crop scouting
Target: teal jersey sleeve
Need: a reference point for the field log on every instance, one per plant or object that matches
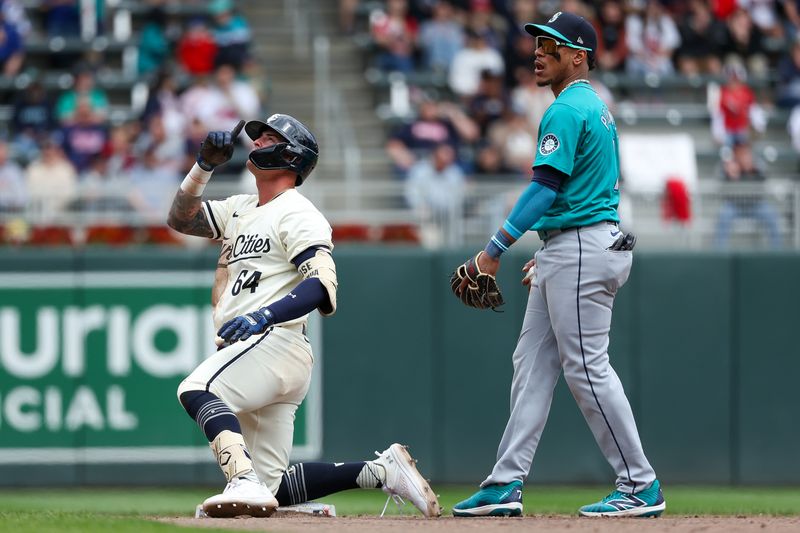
(559, 134)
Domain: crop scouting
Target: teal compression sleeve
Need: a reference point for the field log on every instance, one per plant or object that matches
(531, 205)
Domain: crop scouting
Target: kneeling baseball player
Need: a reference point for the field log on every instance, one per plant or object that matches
(276, 268)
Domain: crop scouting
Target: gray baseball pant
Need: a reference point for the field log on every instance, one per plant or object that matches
(566, 326)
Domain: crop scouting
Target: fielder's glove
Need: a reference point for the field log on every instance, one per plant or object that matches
(242, 327)
(217, 148)
(481, 292)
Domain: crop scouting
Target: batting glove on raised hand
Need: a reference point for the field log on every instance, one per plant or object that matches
(217, 148)
(242, 327)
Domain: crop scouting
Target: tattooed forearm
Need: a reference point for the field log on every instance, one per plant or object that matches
(186, 216)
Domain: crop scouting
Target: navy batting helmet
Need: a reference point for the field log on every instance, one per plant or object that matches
(299, 153)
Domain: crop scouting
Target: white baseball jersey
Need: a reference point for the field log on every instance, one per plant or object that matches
(261, 241)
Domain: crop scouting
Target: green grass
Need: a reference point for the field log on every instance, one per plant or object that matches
(125, 510)
(567, 500)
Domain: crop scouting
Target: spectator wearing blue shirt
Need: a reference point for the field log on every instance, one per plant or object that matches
(441, 37)
(84, 138)
(62, 18)
(31, 121)
(231, 33)
(741, 168)
(436, 123)
(788, 93)
(12, 51)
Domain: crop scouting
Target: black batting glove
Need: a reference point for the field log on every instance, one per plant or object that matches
(242, 327)
(217, 148)
(624, 243)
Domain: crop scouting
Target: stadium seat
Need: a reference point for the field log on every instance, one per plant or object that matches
(160, 235)
(50, 236)
(408, 233)
(110, 235)
(351, 232)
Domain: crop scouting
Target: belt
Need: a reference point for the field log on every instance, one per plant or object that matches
(547, 234)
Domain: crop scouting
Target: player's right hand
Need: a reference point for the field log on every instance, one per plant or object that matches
(217, 148)
(530, 272)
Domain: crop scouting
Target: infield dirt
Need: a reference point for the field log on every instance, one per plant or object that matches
(357, 524)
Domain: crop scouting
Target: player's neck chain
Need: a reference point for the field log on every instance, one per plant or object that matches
(573, 82)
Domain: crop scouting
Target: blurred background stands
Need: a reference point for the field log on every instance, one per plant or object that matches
(359, 72)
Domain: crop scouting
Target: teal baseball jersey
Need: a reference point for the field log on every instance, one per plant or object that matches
(578, 136)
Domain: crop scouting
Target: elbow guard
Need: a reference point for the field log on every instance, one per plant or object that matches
(322, 267)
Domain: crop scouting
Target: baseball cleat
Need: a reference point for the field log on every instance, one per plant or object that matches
(403, 481)
(241, 497)
(492, 500)
(646, 503)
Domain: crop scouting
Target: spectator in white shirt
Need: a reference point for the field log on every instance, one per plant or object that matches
(52, 181)
(13, 193)
(470, 62)
(652, 38)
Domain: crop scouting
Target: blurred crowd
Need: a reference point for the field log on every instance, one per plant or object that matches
(489, 108)
(62, 151)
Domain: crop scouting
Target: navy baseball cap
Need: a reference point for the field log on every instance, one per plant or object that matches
(570, 30)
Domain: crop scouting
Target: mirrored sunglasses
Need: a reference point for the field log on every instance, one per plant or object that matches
(548, 44)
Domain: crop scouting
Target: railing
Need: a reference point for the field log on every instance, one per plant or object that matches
(753, 216)
(333, 119)
(297, 13)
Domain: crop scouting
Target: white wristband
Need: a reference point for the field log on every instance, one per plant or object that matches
(195, 181)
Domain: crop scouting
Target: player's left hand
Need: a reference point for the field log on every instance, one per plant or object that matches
(486, 265)
(242, 327)
(475, 285)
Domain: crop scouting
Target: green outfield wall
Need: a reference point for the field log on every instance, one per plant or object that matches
(93, 344)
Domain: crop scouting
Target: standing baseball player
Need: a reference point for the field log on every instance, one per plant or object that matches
(275, 269)
(572, 202)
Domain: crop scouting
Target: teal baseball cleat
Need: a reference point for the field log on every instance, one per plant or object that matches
(493, 500)
(649, 502)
